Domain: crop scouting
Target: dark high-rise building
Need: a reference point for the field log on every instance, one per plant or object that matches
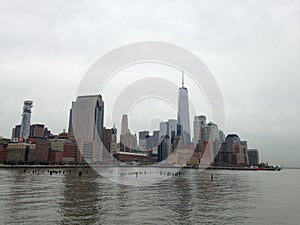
(232, 152)
(152, 141)
(173, 128)
(143, 138)
(37, 130)
(47, 133)
(16, 132)
(107, 141)
(164, 148)
(155, 138)
(253, 157)
(244, 149)
(70, 128)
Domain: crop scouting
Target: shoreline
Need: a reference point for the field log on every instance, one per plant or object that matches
(2, 166)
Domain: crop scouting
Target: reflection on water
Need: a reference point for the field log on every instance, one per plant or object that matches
(233, 197)
(80, 198)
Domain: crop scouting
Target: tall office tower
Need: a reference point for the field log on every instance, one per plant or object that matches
(107, 140)
(114, 134)
(143, 138)
(253, 156)
(94, 105)
(152, 141)
(164, 130)
(124, 136)
(87, 126)
(244, 147)
(155, 140)
(183, 118)
(164, 149)
(124, 124)
(199, 124)
(173, 127)
(26, 116)
(37, 130)
(234, 151)
(16, 132)
(70, 128)
(214, 138)
(127, 140)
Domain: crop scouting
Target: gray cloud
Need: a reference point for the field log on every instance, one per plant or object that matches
(252, 48)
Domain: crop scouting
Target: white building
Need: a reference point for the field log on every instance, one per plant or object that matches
(183, 118)
(199, 123)
(87, 125)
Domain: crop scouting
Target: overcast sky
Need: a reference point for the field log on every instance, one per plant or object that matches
(251, 47)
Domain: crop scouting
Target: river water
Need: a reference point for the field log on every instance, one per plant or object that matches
(232, 197)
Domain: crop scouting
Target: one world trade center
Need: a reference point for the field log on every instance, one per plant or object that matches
(183, 114)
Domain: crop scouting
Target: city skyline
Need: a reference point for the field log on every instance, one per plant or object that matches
(96, 143)
(253, 56)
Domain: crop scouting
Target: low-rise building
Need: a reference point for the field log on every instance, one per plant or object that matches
(129, 157)
(3, 149)
(42, 149)
(70, 152)
(55, 156)
(21, 152)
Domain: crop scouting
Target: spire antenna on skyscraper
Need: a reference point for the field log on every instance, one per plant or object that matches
(182, 78)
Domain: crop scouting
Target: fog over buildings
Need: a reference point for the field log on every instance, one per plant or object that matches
(251, 47)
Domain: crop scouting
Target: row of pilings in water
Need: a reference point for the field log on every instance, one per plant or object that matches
(137, 173)
(51, 171)
(80, 173)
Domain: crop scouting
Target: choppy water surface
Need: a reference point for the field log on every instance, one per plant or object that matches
(233, 197)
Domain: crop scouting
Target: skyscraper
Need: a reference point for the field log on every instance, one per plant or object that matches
(164, 148)
(199, 124)
(124, 124)
(183, 114)
(26, 116)
(16, 133)
(214, 138)
(253, 156)
(173, 127)
(152, 141)
(70, 128)
(37, 130)
(87, 125)
(143, 138)
(114, 134)
(127, 140)
(164, 130)
(89, 104)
